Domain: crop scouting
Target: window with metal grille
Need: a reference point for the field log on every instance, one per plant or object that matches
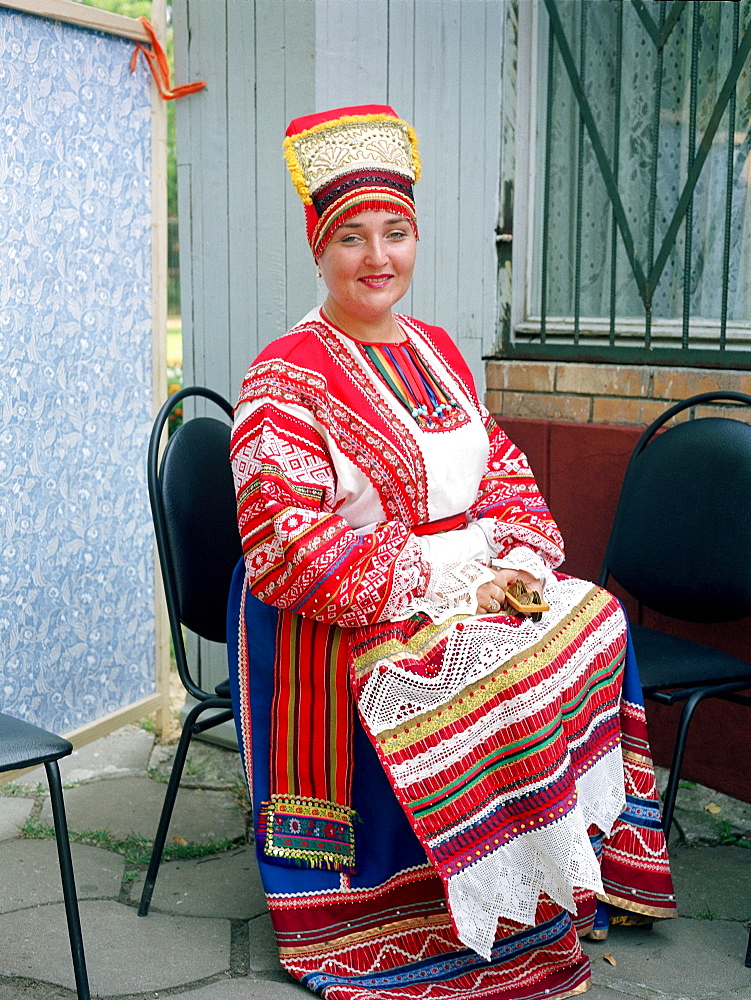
(635, 207)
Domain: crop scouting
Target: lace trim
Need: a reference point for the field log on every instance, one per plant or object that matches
(409, 576)
(524, 559)
(395, 695)
(452, 590)
(537, 699)
(556, 860)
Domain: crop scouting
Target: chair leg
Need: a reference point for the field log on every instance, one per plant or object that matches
(748, 952)
(678, 752)
(69, 885)
(169, 804)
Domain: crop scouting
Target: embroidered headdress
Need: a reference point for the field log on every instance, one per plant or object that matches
(351, 160)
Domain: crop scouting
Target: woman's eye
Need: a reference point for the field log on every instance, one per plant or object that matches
(397, 234)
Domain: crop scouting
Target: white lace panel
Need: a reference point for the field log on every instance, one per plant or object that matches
(393, 695)
(555, 860)
(452, 591)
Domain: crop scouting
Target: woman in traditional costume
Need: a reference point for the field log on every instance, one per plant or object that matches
(442, 789)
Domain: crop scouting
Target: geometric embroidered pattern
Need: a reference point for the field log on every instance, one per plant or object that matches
(307, 832)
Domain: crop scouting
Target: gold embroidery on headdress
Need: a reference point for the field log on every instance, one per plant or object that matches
(318, 154)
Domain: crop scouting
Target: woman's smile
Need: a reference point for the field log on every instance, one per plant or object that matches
(376, 280)
(367, 267)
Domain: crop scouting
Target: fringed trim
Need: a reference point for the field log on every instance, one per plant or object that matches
(293, 162)
(295, 170)
(300, 832)
(416, 161)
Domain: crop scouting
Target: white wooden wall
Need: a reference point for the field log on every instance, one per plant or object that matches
(246, 270)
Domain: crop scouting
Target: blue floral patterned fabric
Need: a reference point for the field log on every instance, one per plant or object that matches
(76, 558)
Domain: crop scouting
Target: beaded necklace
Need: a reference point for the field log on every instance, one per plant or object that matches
(412, 382)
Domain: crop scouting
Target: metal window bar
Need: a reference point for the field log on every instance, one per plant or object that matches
(546, 183)
(580, 170)
(653, 183)
(612, 347)
(616, 166)
(695, 34)
(729, 183)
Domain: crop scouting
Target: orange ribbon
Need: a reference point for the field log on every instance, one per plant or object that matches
(156, 58)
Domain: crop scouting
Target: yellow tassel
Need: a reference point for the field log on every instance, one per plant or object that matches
(295, 171)
(416, 162)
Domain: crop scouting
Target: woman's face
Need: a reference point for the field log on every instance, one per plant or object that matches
(367, 265)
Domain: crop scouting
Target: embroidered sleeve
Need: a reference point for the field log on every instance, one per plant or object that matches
(300, 554)
(509, 507)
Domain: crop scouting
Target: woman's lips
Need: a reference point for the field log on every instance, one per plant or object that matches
(376, 280)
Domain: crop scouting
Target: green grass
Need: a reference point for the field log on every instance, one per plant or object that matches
(726, 833)
(135, 850)
(16, 790)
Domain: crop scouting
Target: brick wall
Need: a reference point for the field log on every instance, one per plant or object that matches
(600, 394)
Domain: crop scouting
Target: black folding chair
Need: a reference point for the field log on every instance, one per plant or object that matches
(681, 545)
(24, 745)
(195, 521)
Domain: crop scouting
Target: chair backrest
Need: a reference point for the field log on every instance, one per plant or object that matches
(681, 537)
(195, 520)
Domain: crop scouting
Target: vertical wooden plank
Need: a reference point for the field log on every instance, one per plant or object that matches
(159, 337)
(208, 61)
(183, 123)
(428, 72)
(271, 191)
(241, 193)
(201, 54)
(352, 53)
(299, 34)
(401, 96)
(507, 158)
(479, 166)
(493, 114)
(475, 220)
(437, 122)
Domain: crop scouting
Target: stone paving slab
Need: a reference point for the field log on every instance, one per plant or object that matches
(264, 954)
(703, 816)
(184, 947)
(132, 805)
(126, 751)
(125, 953)
(31, 873)
(245, 989)
(224, 885)
(207, 765)
(679, 959)
(712, 882)
(13, 814)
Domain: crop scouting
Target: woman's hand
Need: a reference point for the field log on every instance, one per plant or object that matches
(490, 596)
